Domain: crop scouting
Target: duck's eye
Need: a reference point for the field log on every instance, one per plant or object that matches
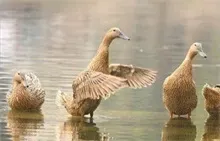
(18, 73)
(114, 30)
(195, 44)
(27, 86)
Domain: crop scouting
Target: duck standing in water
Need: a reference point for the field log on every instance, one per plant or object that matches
(179, 90)
(100, 80)
(212, 99)
(26, 92)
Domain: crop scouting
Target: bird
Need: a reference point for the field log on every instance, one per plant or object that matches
(26, 93)
(101, 79)
(179, 90)
(212, 99)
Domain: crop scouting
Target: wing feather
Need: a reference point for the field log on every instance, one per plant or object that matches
(136, 77)
(95, 85)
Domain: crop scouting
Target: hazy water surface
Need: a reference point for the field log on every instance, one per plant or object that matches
(57, 39)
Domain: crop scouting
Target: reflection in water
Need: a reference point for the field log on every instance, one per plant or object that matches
(212, 129)
(75, 129)
(179, 129)
(24, 125)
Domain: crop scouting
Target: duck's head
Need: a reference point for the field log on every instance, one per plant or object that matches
(196, 48)
(19, 77)
(116, 33)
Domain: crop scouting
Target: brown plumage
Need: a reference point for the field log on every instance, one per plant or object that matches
(212, 99)
(26, 92)
(100, 80)
(179, 91)
(136, 77)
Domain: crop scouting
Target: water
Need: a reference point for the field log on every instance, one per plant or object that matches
(57, 39)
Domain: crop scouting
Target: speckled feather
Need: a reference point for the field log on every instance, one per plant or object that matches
(136, 77)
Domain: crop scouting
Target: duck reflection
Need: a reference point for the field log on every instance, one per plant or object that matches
(179, 129)
(212, 129)
(77, 129)
(24, 124)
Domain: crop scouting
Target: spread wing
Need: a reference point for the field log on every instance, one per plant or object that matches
(95, 85)
(136, 77)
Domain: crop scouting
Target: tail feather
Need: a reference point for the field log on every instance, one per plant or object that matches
(61, 98)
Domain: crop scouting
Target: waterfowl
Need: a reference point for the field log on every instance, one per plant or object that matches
(212, 99)
(100, 79)
(26, 92)
(179, 91)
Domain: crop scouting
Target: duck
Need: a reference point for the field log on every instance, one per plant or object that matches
(212, 99)
(100, 79)
(26, 93)
(179, 90)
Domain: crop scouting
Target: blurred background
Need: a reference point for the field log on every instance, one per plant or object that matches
(56, 40)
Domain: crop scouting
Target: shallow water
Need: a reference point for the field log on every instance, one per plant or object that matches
(57, 39)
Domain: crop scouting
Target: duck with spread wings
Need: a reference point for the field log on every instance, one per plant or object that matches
(100, 79)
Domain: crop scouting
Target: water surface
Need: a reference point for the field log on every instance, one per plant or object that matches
(57, 39)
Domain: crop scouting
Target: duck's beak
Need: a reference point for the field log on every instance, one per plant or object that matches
(201, 53)
(123, 36)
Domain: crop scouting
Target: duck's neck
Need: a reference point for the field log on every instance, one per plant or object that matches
(190, 54)
(186, 66)
(100, 62)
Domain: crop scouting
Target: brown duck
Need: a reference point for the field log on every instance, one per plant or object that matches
(212, 99)
(100, 80)
(26, 92)
(179, 91)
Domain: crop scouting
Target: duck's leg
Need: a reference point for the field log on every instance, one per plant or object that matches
(91, 115)
(171, 115)
(188, 115)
